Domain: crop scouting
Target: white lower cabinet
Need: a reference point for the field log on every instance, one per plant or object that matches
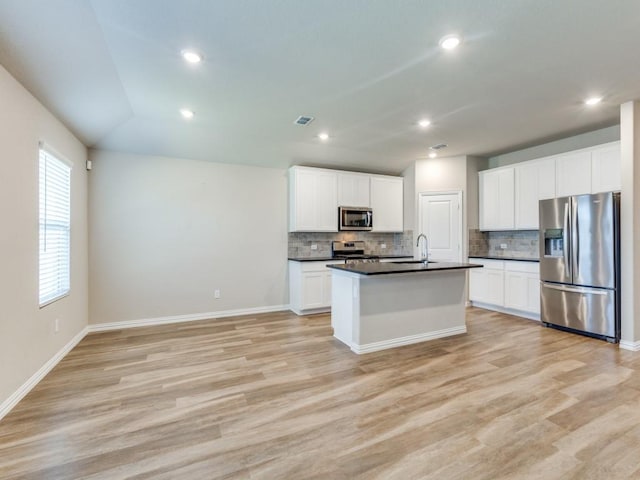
(486, 284)
(522, 287)
(310, 286)
(495, 286)
(503, 284)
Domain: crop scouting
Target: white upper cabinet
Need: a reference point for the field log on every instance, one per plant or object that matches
(387, 202)
(573, 173)
(605, 168)
(546, 178)
(353, 190)
(535, 181)
(591, 170)
(316, 193)
(497, 199)
(313, 200)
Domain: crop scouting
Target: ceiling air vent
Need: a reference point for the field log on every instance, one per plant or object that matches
(303, 120)
(438, 146)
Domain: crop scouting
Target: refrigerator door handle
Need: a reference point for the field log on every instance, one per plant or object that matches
(575, 241)
(565, 241)
(583, 290)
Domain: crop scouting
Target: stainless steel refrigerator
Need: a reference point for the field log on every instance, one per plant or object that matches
(580, 264)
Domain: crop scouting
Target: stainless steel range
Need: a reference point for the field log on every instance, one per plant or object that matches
(352, 252)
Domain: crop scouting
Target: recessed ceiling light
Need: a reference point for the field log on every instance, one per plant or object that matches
(186, 113)
(424, 123)
(433, 155)
(449, 42)
(593, 101)
(191, 56)
(323, 136)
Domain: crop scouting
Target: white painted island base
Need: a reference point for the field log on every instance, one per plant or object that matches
(376, 312)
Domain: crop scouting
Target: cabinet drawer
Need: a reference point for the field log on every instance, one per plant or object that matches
(525, 267)
(319, 266)
(488, 263)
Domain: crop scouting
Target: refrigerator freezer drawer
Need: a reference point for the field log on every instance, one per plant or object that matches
(590, 310)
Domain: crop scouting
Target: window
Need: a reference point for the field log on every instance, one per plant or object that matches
(55, 227)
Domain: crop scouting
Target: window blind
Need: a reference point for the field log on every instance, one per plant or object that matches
(55, 228)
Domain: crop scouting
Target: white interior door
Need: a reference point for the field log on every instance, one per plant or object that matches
(440, 219)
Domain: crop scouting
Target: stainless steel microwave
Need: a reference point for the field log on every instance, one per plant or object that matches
(355, 218)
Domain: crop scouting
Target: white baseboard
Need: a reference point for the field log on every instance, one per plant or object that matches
(508, 311)
(627, 345)
(310, 311)
(12, 401)
(147, 322)
(409, 340)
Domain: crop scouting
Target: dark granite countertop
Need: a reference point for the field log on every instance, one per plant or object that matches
(325, 259)
(395, 268)
(511, 259)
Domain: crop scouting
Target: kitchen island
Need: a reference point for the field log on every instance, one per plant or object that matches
(375, 306)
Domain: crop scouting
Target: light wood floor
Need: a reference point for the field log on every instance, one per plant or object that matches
(276, 397)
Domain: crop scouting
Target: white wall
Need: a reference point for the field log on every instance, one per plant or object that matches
(27, 338)
(472, 199)
(630, 225)
(165, 233)
(409, 201)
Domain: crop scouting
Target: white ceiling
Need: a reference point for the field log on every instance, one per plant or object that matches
(366, 69)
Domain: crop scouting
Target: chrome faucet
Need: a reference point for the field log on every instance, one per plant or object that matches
(424, 252)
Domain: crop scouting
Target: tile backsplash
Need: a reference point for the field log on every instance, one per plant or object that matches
(397, 243)
(520, 244)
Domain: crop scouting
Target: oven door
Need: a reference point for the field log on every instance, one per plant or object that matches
(355, 218)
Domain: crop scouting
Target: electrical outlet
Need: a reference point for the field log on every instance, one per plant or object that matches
(383, 246)
(314, 246)
(216, 293)
(503, 246)
(56, 325)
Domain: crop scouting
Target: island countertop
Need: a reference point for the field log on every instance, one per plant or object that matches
(397, 268)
